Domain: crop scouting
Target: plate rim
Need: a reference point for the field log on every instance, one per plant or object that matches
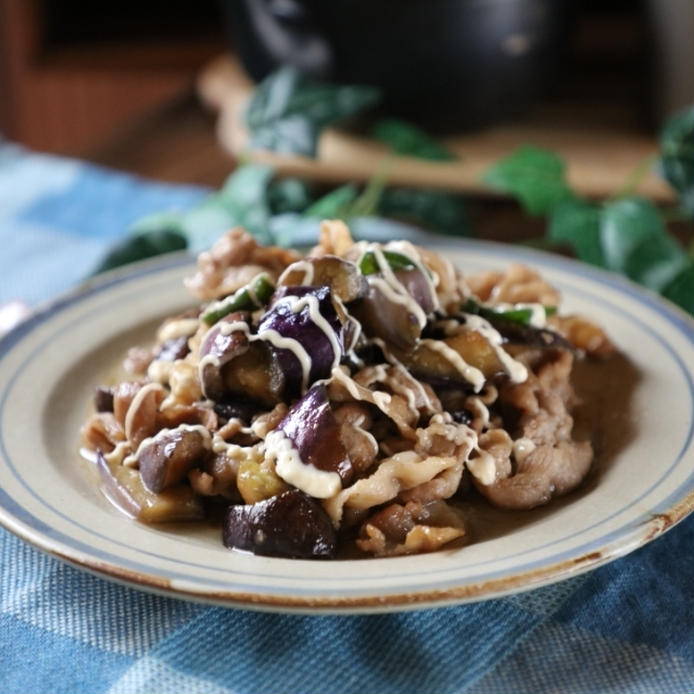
(637, 535)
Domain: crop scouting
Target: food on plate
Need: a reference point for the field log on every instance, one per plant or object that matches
(354, 399)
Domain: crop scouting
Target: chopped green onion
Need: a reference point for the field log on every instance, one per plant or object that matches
(369, 265)
(521, 315)
(254, 295)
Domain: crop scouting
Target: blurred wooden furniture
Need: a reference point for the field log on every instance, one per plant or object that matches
(73, 73)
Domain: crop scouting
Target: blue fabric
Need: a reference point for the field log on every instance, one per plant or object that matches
(626, 627)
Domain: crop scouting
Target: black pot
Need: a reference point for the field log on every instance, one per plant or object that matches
(448, 64)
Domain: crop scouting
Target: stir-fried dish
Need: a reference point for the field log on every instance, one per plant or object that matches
(354, 397)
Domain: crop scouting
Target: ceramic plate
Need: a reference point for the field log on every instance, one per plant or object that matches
(642, 483)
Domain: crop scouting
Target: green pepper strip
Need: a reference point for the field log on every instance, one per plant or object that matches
(516, 315)
(369, 265)
(254, 295)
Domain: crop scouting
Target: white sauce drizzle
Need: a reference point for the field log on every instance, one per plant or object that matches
(299, 266)
(394, 290)
(135, 405)
(297, 304)
(133, 459)
(432, 279)
(517, 372)
(119, 453)
(320, 484)
(470, 373)
(225, 329)
(379, 398)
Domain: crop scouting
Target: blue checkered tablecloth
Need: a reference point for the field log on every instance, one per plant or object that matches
(626, 627)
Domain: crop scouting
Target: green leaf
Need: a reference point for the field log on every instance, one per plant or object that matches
(333, 204)
(577, 223)
(680, 289)
(444, 213)
(254, 295)
(141, 246)
(534, 175)
(624, 224)
(288, 195)
(397, 261)
(656, 262)
(244, 196)
(287, 111)
(677, 156)
(521, 315)
(409, 140)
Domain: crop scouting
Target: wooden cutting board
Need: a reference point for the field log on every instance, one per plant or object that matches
(599, 157)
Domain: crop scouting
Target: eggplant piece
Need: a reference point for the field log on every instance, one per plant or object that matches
(170, 455)
(387, 320)
(290, 525)
(220, 345)
(394, 322)
(236, 407)
(433, 366)
(518, 334)
(173, 349)
(342, 276)
(123, 487)
(255, 375)
(419, 288)
(315, 434)
(103, 399)
(319, 346)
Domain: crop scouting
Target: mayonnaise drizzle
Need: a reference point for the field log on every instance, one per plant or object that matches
(393, 289)
(135, 405)
(517, 372)
(470, 373)
(320, 484)
(133, 459)
(299, 266)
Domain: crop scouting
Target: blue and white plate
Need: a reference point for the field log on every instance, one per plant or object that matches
(642, 485)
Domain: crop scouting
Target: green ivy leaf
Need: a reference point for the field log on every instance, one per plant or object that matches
(409, 140)
(624, 224)
(289, 195)
(140, 246)
(680, 289)
(287, 111)
(244, 196)
(656, 262)
(432, 209)
(677, 156)
(577, 223)
(333, 204)
(534, 175)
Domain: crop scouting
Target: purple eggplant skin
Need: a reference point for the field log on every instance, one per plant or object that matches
(313, 430)
(418, 287)
(224, 348)
(173, 349)
(291, 525)
(300, 327)
(381, 317)
(103, 399)
(169, 457)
